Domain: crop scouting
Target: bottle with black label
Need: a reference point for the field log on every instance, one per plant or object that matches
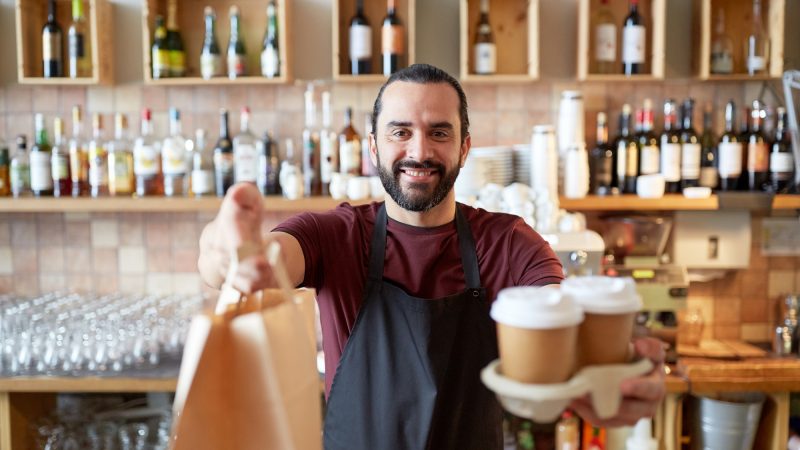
(729, 152)
(223, 157)
(40, 161)
(708, 157)
(269, 163)
(649, 153)
(671, 149)
(601, 159)
(52, 44)
(627, 153)
(690, 147)
(757, 151)
(634, 38)
(781, 160)
(360, 42)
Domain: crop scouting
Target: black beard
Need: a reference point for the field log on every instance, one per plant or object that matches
(423, 201)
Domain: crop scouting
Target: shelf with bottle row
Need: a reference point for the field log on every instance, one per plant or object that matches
(735, 17)
(31, 17)
(374, 13)
(514, 40)
(651, 15)
(190, 21)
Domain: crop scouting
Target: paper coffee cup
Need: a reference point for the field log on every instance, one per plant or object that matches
(537, 331)
(610, 305)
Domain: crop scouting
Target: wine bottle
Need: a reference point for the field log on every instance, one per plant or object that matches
(121, 181)
(59, 161)
(349, 146)
(781, 159)
(78, 47)
(147, 160)
(210, 55)
(690, 147)
(5, 161)
(392, 40)
(708, 157)
(52, 44)
(98, 159)
(730, 152)
(757, 151)
(78, 155)
(202, 166)
(174, 158)
(634, 35)
(269, 166)
(671, 149)
(649, 154)
(245, 158)
(223, 157)
(605, 40)
(601, 160)
(721, 47)
(485, 51)
(360, 40)
(20, 169)
(177, 57)
(159, 53)
(311, 153)
(236, 51)
(757, 43)
(270, 55)
(328, 151)
(627, 152)
(40, 164)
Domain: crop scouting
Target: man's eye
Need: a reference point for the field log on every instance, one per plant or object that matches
(400, 133)
(440, 134)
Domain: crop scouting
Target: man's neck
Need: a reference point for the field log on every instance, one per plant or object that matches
(441, 214)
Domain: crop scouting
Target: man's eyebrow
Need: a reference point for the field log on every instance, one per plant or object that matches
(397, 123)
(445, 125)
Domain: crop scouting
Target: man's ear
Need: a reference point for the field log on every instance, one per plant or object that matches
(373, 150)
(465, 147)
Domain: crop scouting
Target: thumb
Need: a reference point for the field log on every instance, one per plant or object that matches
(240, 215)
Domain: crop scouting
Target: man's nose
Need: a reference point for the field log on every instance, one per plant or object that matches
(419, 148)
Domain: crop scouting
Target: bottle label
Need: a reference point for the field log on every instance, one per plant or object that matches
(633, 44)
(223, 164)
(392, 39)
(59, 166)
(781, 162)
(41, 178)
(671, 162)
(650, 160)
(236, 65)
(202, 182)
(269, 62)
(123, 178)
(350, 157)
(721, 62)
(485, 58)
(605, 42)
(173, 158)
(245, 163)
(328, 157)
(757, 157)
(210, 65)
(631, 160)
(78, 162)
(690, 161)
(708, 177)
(177, 63)
(98, 174)
(20, 177)
(145, 160)
(51, 46)
(160, 63)
(76, 46)
(730, 159)
(756, 63)
(360, 42)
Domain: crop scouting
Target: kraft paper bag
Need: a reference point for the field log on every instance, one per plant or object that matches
(248, 377)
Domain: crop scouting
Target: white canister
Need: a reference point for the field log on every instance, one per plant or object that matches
(544, 159)
(576, 172)
(570, 120)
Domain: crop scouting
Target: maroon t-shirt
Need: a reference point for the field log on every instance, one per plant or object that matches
(425, 262)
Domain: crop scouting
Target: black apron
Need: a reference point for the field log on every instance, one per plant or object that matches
(409, 377)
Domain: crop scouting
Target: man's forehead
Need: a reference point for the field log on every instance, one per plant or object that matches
(434, 102)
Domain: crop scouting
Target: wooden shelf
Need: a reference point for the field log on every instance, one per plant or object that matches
(30, 18)
(515, 28)
(653, 13)
(216, 81)
(738, 14)
(87, 384)
(635, 203)
(786, 202)
(616, 78)
(370, 78)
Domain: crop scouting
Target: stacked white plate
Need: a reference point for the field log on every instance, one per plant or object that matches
(522, 163)
(499, 162)
(471, 178)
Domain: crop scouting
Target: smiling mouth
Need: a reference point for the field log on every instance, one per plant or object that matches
(419, 172)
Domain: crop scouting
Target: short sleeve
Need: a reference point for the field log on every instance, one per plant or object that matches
(532, 261)
(305, 227)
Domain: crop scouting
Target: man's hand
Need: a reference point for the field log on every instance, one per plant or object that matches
(641, 395)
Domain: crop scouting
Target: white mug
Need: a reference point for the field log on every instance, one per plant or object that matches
(358, 188)
(338, 186)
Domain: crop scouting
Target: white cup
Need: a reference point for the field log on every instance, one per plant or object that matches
(358, 188)
(338, 186)
(650, 186)
(291, 180)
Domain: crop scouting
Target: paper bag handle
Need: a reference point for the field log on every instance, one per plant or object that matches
(230, 297)
(279, 270)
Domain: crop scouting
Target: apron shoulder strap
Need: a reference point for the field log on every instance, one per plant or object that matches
(469, 255)
(377, 251)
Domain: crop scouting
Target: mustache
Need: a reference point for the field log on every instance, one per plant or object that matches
(408, 164)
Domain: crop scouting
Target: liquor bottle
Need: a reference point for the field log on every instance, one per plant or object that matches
(210, 55)
(757, 151)
(202, 166)
(781, 160)
(568, 432)
(20, 169)
(236, 52)
(269, 166)
(730, 152)
(349, 146)
(177, 57)
(223, 157)
(690, 147)
(121, 180)
(40, 165)
(52, 44)
(360, 37)
(270, 54)
(368, 169)
(59, 161)
(312, 176)
(627, 166)
(174, 158)
(98, 159)
(245, 157)
(601, 159)
(5, 162)
(78, 47)
(605, 40)
(392, 40)
(649, 154)
(708, 157)
(328, 148)
(78, 156)
(485, 51)
(756, 45)
(671, 149)
(634, 36)
(159, 52)
(147, 160)
(721, 47)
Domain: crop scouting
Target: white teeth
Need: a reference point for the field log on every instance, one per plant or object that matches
(416, 173)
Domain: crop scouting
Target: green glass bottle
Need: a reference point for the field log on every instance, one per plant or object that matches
(159, 53)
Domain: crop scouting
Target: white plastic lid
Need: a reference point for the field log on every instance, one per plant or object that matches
(642, 438)
(535, 308)
(603, 295)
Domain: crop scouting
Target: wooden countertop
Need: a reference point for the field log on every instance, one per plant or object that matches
(754, 374)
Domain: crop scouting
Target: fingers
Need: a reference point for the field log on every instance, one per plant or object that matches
(650, 348)
(630, 411)
(253, 274)
(648, 388)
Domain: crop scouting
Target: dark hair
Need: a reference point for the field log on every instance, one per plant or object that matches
(425, 74)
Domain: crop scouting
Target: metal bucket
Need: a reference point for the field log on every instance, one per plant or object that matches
(728, 421)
